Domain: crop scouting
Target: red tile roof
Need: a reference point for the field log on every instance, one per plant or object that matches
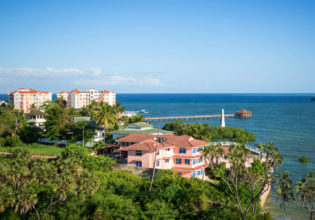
(27, 91)
(243, 111)
(62, 92)
(146, 141)
(76, 91)
(106, 91)
(147, 145)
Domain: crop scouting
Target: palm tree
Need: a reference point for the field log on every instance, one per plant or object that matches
(118, 108)
(158, 141)
(104, 115)
(206, 152)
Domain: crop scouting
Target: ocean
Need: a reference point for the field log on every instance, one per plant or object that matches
(288, 120)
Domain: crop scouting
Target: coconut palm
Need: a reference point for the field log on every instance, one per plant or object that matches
(105, 116)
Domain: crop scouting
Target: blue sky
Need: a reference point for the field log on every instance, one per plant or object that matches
(158, 46)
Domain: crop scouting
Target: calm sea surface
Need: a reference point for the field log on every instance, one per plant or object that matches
(288, 120)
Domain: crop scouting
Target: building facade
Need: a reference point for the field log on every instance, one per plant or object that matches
(179, 153)
(36, 117)
(79, 99)
(23, 99)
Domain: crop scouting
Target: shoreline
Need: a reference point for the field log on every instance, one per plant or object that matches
(264, 196)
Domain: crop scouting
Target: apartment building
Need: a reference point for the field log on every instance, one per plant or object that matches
(79, 99)
(180, 153)
(23, 99)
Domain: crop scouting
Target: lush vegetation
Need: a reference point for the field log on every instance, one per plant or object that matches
(303, 159)
(36, 148)
(301, 194)
(14, 129)
(79, 186)
(210, 133)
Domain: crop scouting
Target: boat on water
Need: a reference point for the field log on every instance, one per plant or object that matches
(144, 111)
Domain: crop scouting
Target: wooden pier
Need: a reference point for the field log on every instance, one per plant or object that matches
(187, 117)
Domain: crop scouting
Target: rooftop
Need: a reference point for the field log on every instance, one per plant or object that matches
(147, 141)
(140, 128)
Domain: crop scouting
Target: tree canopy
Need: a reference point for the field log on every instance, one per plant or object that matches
(210, 133)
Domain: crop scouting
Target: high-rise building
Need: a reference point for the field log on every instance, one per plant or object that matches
(79, 99)
(23, 99)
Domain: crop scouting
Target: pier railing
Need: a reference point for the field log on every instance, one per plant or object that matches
(187, 117)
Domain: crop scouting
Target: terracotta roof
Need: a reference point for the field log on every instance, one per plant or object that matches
(76, 91)
(27, 91)
(106, 91)
(147, 145)
(112, 145)
(62, 92)
(146, 141)
(243, 111)
(136, 138)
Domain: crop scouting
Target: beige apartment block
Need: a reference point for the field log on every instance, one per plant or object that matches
(23, 99)
(79, 99)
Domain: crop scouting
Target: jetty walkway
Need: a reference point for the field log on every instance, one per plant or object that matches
(187, 117)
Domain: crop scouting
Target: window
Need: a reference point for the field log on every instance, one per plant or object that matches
(199, 172)
(194, 150)
(157, 163)
(138, 152)
(167, 160)
(194, 161)
(138, 164)
(187, 161)
(194, 173)
(200, 159)
(167, 149)
(178, 161)
(182, 150)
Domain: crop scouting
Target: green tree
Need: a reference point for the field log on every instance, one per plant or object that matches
(305, 192)
(57, 122)
(30, 134)
(105, 116)
(82, 129)
(61, 102)
(37, 184)
(255, 178)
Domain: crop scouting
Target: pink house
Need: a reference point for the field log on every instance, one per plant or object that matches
(180, 153)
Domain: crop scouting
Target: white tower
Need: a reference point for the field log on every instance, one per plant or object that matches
(222, 119)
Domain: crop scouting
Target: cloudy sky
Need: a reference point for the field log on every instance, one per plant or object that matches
(158, 46)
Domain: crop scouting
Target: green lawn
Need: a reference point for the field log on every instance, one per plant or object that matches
(38, 149)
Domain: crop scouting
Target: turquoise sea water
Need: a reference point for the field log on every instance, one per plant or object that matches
(288, 120)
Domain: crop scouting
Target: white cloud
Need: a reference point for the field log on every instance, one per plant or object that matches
(69, 78)
(45, 72)
(117, 80)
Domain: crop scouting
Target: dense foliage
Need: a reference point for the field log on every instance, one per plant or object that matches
(210, 133)
(79, 186)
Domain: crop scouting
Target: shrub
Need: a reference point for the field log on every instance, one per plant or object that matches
(30, 134)
(12, 141)
(303, 159)
(2, 142)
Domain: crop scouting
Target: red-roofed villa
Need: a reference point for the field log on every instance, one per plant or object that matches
(180, 153)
